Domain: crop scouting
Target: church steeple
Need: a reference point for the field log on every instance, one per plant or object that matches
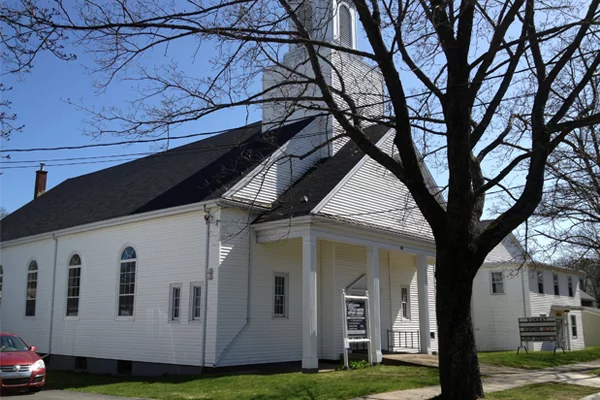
(333, 21)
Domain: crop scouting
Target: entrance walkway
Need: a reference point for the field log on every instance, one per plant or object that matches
(428, 360)
(572, 374)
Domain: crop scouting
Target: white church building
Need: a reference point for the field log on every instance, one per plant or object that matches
(226, 251)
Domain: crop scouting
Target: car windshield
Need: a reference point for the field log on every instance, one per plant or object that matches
(12, 343)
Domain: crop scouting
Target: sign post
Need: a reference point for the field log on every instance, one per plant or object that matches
(356, 329)
(538, 329)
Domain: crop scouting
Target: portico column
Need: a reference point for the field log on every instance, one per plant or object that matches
(310, 361)
(423, 296)
(374, 303)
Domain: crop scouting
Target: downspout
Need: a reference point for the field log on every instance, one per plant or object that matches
(248, 299)
(53, 293)
(207, 218)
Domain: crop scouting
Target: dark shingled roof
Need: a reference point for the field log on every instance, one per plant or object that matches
(320, 180)
(199, 171)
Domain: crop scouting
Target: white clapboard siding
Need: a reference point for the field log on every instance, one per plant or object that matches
(394, 208)
(15, 262)
(169, 250)
(495, 316)
(270, 339)
(271, 178)
(542, 303)
(403, 272)
(508, 251)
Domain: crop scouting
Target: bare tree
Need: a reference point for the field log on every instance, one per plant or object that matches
(3, 212)
(482, 88)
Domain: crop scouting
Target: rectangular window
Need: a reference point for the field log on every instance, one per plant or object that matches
(574, 325)
(175, 302)
(540, 282)
(555, 280)
(126, 288)
(497, 283)
(570, 285)
(404, 298)
(280, 295)
(31, 293)
(196, 301)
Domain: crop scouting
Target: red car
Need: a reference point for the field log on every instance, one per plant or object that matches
(20, 366)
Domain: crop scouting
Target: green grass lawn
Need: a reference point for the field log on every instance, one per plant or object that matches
(539, 359)
(544, 391)
(329, 385)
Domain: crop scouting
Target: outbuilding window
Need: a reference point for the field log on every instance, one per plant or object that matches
(570, 285)
(31, 295)
(73, 285)
(497, 283)
(540, 282)
(280, 295)
(127, 271)
(555, 280)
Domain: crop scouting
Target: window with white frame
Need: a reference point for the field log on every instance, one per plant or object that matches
(574, 325)
(497, 283)
(1, 277)
(556, 288)
(31, 294)
(127, 270)
(345, 25)
(280, 295)
(174, 302)
(540, 282)
(196, 301)
(73, 286)
(405, 302)
(570, 286)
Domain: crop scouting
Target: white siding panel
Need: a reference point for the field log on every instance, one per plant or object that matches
(495, 316)
(169, 250)
(542, 303)
(282, 169)
(268, 339)
(375, 197)
(15, 261)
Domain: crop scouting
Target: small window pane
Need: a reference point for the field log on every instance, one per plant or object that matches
(175, 302)
(404, 302)
(125, 305)
(497, 283)
(128, 254)
(75, 260)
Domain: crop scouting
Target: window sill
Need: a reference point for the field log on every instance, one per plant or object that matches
(124, 318)
(280, 317)
(174, 321)
(195, 321)
(72, 318)
(498, 294)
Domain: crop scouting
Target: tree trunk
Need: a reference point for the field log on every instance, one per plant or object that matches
(459, 368)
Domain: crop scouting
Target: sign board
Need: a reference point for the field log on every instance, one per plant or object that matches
(355, 314)
(356, 318)
(538, 329)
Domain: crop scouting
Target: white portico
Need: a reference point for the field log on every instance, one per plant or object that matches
(334, 256)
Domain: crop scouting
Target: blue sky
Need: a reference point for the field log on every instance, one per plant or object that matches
(39, 99)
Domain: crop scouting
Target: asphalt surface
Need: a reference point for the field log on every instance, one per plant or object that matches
(61, 395)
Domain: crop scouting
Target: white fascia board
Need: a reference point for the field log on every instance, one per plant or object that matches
(113, 222)
(348, 176)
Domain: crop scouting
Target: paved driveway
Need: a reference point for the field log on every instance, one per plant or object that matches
(62, 395)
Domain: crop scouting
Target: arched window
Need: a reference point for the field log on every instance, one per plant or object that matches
(345, 24)
(73, 286)
(305, 15)
(31, 295)
(1, 277)
(127, 282)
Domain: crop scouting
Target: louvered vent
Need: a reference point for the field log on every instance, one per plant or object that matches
(345, 26)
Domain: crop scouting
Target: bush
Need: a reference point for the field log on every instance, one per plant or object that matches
(362, 364)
